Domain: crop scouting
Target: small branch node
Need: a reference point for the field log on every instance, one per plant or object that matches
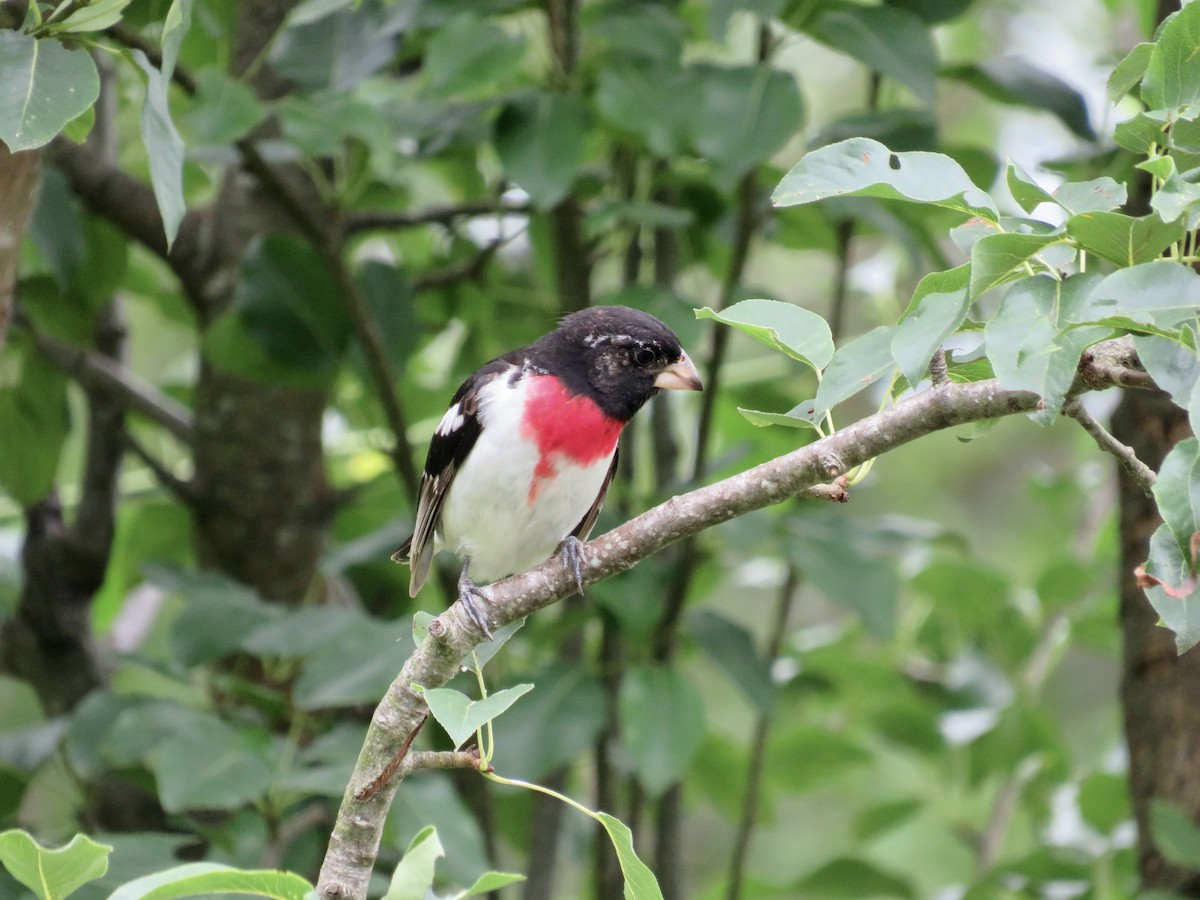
(938, 372)
(832, 464)
(837, 491)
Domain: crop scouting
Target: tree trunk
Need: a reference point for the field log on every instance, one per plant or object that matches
(1160, 690)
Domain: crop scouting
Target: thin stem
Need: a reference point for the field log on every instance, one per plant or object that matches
(1141, 473)
(758, 747)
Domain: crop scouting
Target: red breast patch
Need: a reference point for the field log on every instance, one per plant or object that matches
(564, 425)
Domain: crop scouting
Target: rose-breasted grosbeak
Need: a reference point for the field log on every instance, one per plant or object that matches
(521, 461)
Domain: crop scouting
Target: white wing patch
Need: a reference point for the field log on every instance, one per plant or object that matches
(451, 421)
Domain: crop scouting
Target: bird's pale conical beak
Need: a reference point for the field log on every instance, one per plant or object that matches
(680, 375)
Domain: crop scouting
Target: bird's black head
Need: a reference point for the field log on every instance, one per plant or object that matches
(619, 357)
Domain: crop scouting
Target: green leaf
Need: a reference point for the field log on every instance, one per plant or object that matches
(336, 47)
(731, 647)
(34, 424)
(44, 86)
(215, 623)
(1170, 584)
(790, 329)
(851, 877)
(352, 666)
(1000, 258)
(662, 724)
(541, 139)
(1024, 189)
(640, 883)
(1014, 81)
(745, 113)
(1174, 367)
(52, 874)
(735, 116)
(861, 167)
(1177, 493)
(557, 722)
(1175, 834)
(933, 11)
(223, 109)
(846, 564)
(890, 41)
(287, 323)
(854, 367)
(491, 881)
(92, 17)
(1172, 78)
(175, 28)
(165, 148)
(413, 877)
(205, 878)
(484, 652)
(1158, 296)
(80, 127)
(1137, 133)
(800, 416)
(470, 55)
(1128, 73)
(462, 717)
(655, 101)
(1099, 194)
(1123, 239)
(1178, 199)
(1104, 800)
(1030, 344)
(923, 330)
(210, 767)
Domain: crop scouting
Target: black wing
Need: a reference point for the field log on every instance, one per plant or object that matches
(584, 528)
(456, 434)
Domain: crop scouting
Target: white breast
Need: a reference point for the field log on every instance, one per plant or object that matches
(487, 515)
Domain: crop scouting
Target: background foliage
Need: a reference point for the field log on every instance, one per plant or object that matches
(293, 231)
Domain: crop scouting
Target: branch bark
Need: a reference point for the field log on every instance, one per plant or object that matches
(356, 834)
(18, 187)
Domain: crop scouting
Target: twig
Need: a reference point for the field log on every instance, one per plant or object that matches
(467, 270)
(182, 490)
(366, 330)
(837, 491)
(356, 834)
(96, 371)
(758, 746)
(391, 220)
(1141, 473)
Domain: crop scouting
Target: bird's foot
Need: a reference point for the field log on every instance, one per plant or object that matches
(473, 598)
(571, 551)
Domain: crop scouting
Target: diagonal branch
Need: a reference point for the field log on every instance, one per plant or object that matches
(129, 204)
(1142, 475)
(355, 839)
(95, 371)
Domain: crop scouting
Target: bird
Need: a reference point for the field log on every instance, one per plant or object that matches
(519, 465)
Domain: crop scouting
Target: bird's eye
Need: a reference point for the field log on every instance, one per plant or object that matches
(643, 356)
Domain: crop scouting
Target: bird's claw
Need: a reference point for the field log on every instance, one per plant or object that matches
(470, 595)
(571, 552)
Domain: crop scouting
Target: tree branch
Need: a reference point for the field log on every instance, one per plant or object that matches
(95, 371)
(356, 834)
(1141, 473)
(390, 220)
(129, 204)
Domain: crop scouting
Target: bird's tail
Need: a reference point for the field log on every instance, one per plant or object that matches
(402, 555)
